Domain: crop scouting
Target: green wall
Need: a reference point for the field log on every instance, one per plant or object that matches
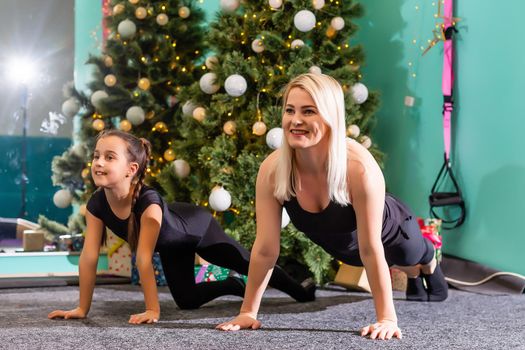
(487, 122)
(487, 125)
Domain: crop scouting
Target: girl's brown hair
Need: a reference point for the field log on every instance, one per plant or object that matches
(138, 151)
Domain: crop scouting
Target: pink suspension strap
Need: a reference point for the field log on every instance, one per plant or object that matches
(438, 198)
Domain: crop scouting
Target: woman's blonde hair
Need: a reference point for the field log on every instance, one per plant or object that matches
(329, 99)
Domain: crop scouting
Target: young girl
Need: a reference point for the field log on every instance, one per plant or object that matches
(138, 214)
(334, 191)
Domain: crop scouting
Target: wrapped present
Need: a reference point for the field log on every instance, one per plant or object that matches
(352, 277)
(209, 273)
(431, 230)
(157, 268)
(119, 255)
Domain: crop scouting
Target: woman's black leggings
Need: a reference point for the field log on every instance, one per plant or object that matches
(219, 249)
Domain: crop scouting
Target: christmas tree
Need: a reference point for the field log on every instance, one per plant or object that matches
(149, 55)
(258, 46)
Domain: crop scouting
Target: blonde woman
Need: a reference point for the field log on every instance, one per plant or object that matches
(334, 192)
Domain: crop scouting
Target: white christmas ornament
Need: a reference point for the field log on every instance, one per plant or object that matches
(366, 142)
(235, 85)
(187, 108)
(353, 131)
(275, 4)
(135, 115)
(126, 29)
(62, 198)
(257, 46)
(229, 5)
(359, 93)
(274, 138)
(162, 19)
(337, 23)
(220, 199)
(70, 107)
(211, 61)
(304, 20)
(208, 83)
(318, 4)
(315, 70)
(297, 43)
(97, 97)
(181, 168)
(285, 219)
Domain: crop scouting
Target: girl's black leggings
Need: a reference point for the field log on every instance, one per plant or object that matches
(219, 249)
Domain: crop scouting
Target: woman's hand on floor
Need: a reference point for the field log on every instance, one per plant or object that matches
(242, 321)
(75, 313)
(382, 330)
(148, 316)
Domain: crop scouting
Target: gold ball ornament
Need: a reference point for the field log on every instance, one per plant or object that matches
(199, 114)
(144, 84)
(134, 2)
(259, 128)
(125, 125)
(141, 12)
(162, 19)
(161, 127)
(229, 127)
(118, 9)
(150, 115)
(169, 155)
(85, 173)
(108, 61)
(110, 80)
(98, 124)
(184, 12)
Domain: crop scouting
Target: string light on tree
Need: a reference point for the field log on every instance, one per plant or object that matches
(184, 12)
(110, 80)
(235, 85)
(220, 199)
(163, 19)
(62, 198)
(304, 20)
(181, 168)
(125, 125)
(126, 29)
(359, 93)
(274, 138)
(208, 83)
(97, 97)
(70, 107)
(229, 6)
(135, 115)
(230, 127)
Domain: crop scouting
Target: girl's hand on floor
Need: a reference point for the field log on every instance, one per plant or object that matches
(148, 316)
(382, 330)
(242, 321)
(75, 313)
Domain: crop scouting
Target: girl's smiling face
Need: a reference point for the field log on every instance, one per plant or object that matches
(110, 163)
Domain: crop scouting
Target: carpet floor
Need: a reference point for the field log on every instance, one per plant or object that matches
(465, 321)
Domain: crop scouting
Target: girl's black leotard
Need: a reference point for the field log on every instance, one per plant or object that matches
(335, 230)
(187, 229)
